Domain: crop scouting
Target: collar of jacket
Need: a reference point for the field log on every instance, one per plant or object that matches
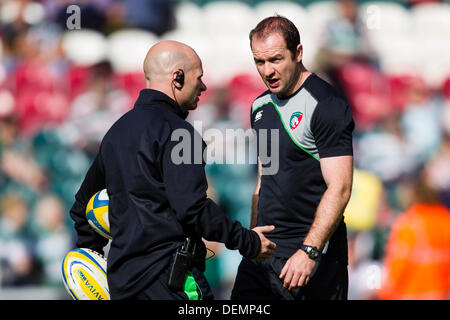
(148, 97)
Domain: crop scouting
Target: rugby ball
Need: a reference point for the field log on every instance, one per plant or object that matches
(97, 213)
(84, 275)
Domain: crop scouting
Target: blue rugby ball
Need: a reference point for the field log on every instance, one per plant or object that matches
(97, 213)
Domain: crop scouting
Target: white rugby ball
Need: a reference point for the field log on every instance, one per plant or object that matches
(84, 275)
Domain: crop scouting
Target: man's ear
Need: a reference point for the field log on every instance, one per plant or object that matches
(299, 53)
(175, 83)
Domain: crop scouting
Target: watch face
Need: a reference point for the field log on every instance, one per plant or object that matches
(313, 254)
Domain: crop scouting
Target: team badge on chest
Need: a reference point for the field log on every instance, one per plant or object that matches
(296, 117)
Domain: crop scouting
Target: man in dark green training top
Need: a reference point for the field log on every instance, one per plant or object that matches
(305, 199)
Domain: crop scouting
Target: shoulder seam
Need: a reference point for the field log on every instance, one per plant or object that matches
(265, 93)
(262, 94)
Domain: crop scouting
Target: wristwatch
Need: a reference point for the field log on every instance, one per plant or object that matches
(312, 252)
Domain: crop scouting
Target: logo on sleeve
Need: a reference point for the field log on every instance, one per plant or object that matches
(296, 117)
(258, 115)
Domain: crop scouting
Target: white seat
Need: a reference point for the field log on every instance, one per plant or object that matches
(394, 53)
(232, 55)
(9, 11)
(188, 17)
(203, 45)
(200, 42)
(431, 19)
(435, 60)
(385, 17)
(84, 47)
(310, 45)
(431, 25)
(319, 14)
(224, 17)
(127, 49)
(294, 12)
(414, 54)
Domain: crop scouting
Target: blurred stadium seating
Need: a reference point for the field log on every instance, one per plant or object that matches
(61, 89)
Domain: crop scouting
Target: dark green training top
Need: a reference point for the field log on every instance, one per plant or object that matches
(313, 123)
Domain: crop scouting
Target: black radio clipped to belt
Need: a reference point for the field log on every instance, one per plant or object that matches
(181, 263)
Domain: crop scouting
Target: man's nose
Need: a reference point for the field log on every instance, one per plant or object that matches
(203, 87)
(268, 70)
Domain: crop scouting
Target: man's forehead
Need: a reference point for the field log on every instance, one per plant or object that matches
(197, 66)
(270, 44)
(190, 63)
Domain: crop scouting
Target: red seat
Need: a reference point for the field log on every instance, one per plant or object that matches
(31, 75)
(131, 82)
(243, 89)
(368, 93)
(36, 109)
(446, 88)
(78, 80)
(400, 86)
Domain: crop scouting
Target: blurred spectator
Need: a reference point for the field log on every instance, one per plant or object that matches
(386, 152)
(23, 169)
(348, 60)
(346, 37)
(54, 238)
(440, 163)
(17, 264)
(36, 76)
(156, 16)
(440, 171)
(8, 132)
(417, 263)
(364, 270)
(16, 161)
(421, 121)
(345, 40)
(96, 108)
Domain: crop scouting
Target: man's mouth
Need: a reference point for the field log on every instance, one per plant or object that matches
(273, 82)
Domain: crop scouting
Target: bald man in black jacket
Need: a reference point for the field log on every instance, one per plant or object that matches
(156, 203)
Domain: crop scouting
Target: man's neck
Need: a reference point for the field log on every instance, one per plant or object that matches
(303, 75)
(160, 88)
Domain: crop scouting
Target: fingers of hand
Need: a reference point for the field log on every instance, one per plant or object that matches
(293, 277)
(272, 245)
(302, 281)
(288, 278)
(267, 228)
(305, 282)
(264, 229)
(285, 269)
(268, 247)
(294, 281)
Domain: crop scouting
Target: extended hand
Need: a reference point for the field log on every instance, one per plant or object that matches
(297, 270)
(267, 246)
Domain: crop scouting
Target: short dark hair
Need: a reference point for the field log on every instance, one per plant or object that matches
(279, 24)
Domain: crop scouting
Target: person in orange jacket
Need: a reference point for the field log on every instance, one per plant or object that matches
(417, 262)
